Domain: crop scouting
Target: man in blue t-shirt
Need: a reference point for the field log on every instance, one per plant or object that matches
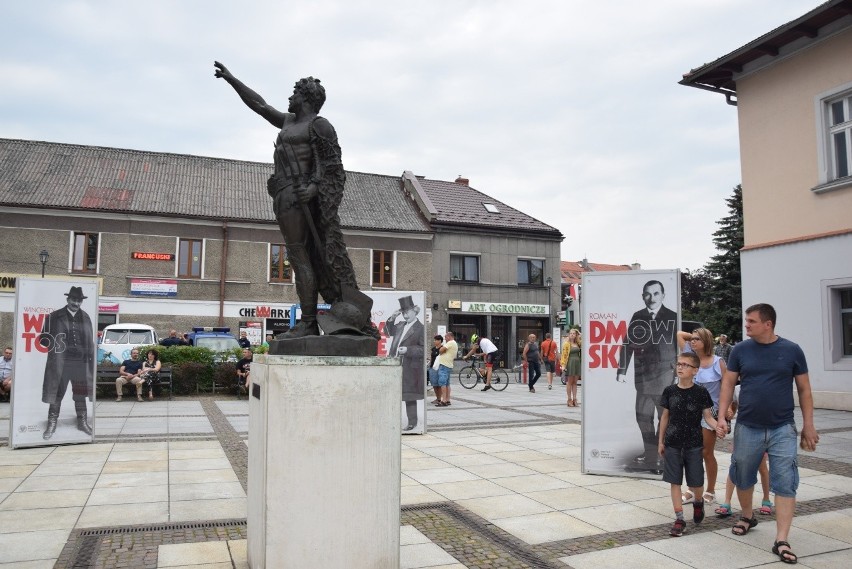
(130, 372)
(766, 366)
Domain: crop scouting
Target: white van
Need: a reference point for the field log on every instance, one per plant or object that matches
(118, 339)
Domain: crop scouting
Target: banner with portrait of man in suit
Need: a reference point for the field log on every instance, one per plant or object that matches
(630, 323)
(53, 394)
(400, 318)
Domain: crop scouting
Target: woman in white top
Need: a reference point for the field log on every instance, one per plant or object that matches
(709, 376)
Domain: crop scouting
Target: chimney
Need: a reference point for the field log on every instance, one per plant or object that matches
(463, 181)
(635, 267)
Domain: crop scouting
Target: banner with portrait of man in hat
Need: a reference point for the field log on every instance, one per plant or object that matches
(55, 359)
(400, 319)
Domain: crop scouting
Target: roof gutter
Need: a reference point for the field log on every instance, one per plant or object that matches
(730, 96)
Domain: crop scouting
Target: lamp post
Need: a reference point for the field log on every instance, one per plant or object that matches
(43, 256)
(549, 282)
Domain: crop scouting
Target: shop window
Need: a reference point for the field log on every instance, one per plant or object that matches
(85, 256)
(531, 272)
(189, 258)
(382, 268)
(464, 268)
(280, 270)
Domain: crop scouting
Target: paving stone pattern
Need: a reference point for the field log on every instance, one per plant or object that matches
(232, 442)
(472, 540)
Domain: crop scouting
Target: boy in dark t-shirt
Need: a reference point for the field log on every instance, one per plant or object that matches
(681, 440)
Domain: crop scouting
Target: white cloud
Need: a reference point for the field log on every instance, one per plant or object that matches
(567, 110)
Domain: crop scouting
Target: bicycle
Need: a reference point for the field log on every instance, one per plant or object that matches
(471, 375)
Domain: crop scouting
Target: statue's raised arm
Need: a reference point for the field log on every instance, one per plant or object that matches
(252, 100)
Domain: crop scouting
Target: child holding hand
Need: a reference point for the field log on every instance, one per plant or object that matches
(681, 441)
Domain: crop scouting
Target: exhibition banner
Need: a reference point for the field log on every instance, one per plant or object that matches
(629, 332)
(400, 319)
(55, 347)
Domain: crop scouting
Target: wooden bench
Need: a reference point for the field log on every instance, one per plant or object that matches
(107, 376)
(226, 387)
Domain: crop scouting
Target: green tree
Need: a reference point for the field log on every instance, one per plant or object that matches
(722, 302)
(693, 285)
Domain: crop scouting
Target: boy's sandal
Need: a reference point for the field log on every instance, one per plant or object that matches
(724, 510)
(741, 530)
(766, 508)
(709, 497)
(687, 497)
(786, 555)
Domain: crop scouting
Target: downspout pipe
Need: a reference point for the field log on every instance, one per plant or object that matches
(223, 270)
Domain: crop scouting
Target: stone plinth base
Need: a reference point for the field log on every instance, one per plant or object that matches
(324, 462)
(327, 345)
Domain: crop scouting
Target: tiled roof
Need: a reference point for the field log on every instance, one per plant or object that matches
(67, 176)
(572, 271)
(459, 204)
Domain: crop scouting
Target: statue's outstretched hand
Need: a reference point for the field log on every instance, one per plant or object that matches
(222, 71)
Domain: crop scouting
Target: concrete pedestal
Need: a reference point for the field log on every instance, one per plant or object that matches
(324, 462)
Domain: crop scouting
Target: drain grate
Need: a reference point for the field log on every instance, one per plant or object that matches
(138, 545)
(161, 527)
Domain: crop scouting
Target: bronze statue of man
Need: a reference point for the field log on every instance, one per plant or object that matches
(306, 190)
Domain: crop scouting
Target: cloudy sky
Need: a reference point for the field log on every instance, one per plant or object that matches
(568, 110)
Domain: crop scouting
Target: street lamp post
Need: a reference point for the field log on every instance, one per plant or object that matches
(43, 256)
(549, 283)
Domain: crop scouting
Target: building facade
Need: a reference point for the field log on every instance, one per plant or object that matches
(495, 270)
(177, 241)
(793, 91)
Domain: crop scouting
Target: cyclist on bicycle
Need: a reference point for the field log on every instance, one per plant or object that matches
(489, 352)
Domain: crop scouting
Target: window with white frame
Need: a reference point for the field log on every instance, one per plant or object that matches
(839, 115)
(85, 253)
(280, 270)
(464, 268)
(834, 116)
(382, 269)
(189, 258)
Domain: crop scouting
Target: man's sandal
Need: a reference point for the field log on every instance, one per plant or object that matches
(687, 497)
(786, 555)
(709, 497)
(741, 530)
(766, 508)
(724, 510)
